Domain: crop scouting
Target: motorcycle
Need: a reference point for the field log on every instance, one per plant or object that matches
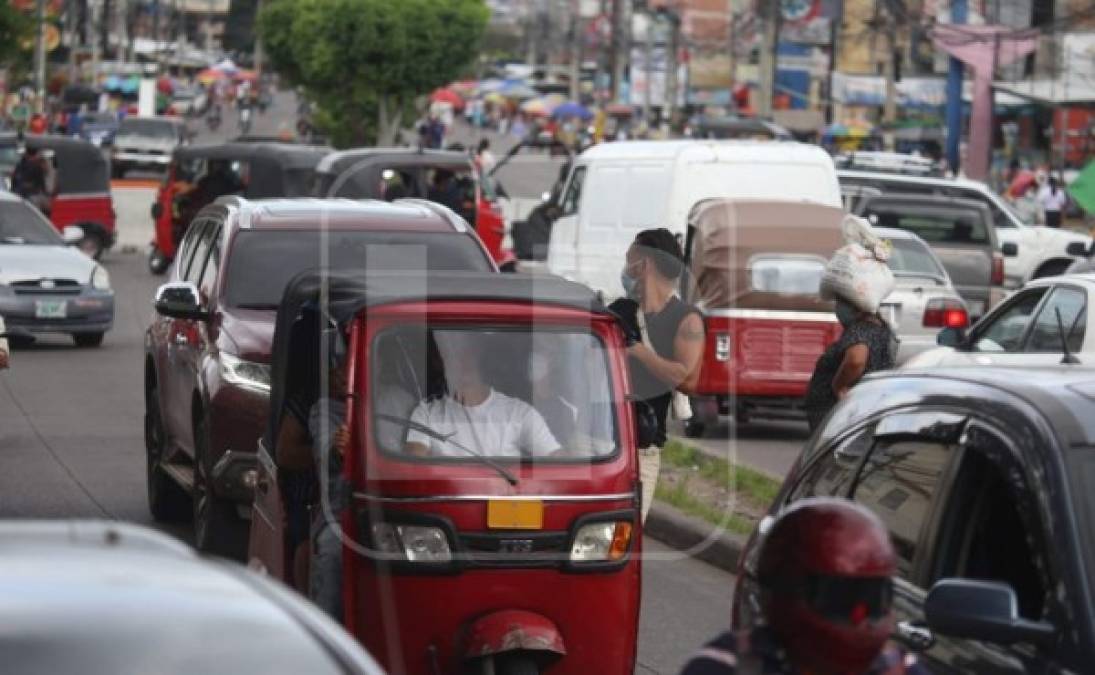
(245, 121)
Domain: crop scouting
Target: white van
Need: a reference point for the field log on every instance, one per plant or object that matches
(615, 190)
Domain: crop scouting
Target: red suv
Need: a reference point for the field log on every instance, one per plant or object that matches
(207, 353)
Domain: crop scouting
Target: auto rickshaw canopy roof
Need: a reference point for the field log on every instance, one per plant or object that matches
(81, 167)
(728, 237)
(352, 167)
(317, 301)
(275, 169)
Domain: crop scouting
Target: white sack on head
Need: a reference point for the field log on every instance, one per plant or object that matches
(857, 272)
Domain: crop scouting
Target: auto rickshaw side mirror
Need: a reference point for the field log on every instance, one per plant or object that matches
(951, 337)
(646, 424)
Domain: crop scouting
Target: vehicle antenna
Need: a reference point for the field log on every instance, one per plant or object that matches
(1068, 357)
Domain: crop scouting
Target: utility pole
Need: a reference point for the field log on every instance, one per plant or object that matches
(40, 56)
(769, 48)
(615, 63)
(954, 93)
(259, 55)
(836, 32)
(575, 50)
(648, 56)
(671, 65)
(888, 28)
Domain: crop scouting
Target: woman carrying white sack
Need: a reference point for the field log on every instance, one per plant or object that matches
(858, 279)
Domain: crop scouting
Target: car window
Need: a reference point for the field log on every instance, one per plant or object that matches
(1004, 331)
(209, 273)
(573, 195)
(201, 251)
(1070, 304)
(944, 227)
(786, 274)
(832, 474)
(999, 217)
(148, 128)
(983, 519)
(910, 257)
(23, 224)
(898, 483)
(186, 250)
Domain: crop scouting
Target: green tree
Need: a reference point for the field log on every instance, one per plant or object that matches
(364, 62)
(16, 40)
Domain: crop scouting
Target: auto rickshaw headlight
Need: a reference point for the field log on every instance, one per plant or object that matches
(606, 541)
(413, 543)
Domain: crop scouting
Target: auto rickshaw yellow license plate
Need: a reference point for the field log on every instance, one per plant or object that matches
(515, 514)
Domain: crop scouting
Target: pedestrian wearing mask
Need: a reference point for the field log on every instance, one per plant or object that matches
(1053, 201)
(825, 571)
(857, 279)
(665, 334)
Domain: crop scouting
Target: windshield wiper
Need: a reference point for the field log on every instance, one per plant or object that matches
(448, 438)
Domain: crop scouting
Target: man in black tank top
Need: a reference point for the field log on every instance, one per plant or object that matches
(668, 358)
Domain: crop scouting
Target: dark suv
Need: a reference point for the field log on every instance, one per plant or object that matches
(207, 353)
(983, 477)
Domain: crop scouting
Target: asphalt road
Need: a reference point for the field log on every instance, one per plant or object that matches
(71, 439)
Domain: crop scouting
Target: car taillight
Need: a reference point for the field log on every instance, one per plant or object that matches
(997, 269)
(945, 313)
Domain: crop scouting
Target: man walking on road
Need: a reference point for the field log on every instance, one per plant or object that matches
(667, 336)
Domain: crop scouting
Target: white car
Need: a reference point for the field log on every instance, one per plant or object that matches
(924, 300)
(1039, 251)
(1031, 328)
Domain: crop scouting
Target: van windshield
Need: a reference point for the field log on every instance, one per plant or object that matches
(464, 393)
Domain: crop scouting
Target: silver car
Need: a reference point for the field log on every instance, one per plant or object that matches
(46, 285)
(924, 300)
(146, 143)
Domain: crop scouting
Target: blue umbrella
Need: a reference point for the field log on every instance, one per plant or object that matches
(131, 85)
(112, 83)
(572, 109)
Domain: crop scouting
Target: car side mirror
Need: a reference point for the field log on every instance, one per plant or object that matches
(951, 337)
(646, 424)
(981, 610)
(180, 300)
(1077, 249)
(1011, 249)
(72, 234)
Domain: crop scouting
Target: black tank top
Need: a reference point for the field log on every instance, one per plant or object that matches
(661, 329)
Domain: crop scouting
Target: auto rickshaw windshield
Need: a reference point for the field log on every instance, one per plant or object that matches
(454, 393)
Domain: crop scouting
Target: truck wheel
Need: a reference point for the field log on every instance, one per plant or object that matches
(88, 339)
(217, 527)
(515, 664)
(158, 262)
(167, 500)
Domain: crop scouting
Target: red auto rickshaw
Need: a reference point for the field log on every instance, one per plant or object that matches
(81, 190)
(463, 551)
(756, 267)
(264, 170)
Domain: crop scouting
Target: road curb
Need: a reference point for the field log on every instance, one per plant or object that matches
(693, 536)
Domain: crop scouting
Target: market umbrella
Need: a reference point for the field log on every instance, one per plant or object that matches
(534, 106)
(1023, 180)
(164, 85)
(130, 85)
(492, 84)
(112, 83)
(465, 88)
(227, 66)
(494, 97)
(571, 109)
(519, 92)
(1082, 190)
(245, 76)
(449, 96)
(211, 75)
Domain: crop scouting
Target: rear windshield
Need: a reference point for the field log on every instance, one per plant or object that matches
(150, 128)
(910, 257)
(787, 274)
(21, 224)
(262, 262)
(944, 227)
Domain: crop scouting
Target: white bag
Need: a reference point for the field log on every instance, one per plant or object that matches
(857, 272)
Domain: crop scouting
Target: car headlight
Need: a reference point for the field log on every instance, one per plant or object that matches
(100, 279)
(606, 541)
(412, 543)
(247, 374)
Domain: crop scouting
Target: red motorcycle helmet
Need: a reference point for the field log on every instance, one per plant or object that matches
(826, 571)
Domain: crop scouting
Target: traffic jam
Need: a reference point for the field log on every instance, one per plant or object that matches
(528, 372)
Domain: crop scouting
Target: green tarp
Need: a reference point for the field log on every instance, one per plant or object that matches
(1082, 190)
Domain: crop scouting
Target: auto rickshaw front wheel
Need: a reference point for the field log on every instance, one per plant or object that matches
(217, 527)
(158, 262)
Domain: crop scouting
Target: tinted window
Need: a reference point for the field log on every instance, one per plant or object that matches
(1005, 330)
(201, 251)
(261, 263)
(573, 194)
(832, 474)
(898, 483)
(795, 275)
(934, 227)
(150, 128)
(1069, 306)
(999, 218)
(23, 224)
(910, 257)
(212, 264)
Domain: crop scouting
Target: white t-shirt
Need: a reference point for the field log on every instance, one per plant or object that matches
(500, 426)
(1051, 201)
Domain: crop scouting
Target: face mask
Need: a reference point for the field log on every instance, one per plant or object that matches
(845, 313)
(630, 283)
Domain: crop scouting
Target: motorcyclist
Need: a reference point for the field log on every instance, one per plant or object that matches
(825, 571)
(219, 180)
(213, 118)
(29, 179)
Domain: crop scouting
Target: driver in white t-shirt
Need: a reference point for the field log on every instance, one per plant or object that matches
(478, 417)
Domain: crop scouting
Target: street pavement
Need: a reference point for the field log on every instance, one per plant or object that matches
(72, 444)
